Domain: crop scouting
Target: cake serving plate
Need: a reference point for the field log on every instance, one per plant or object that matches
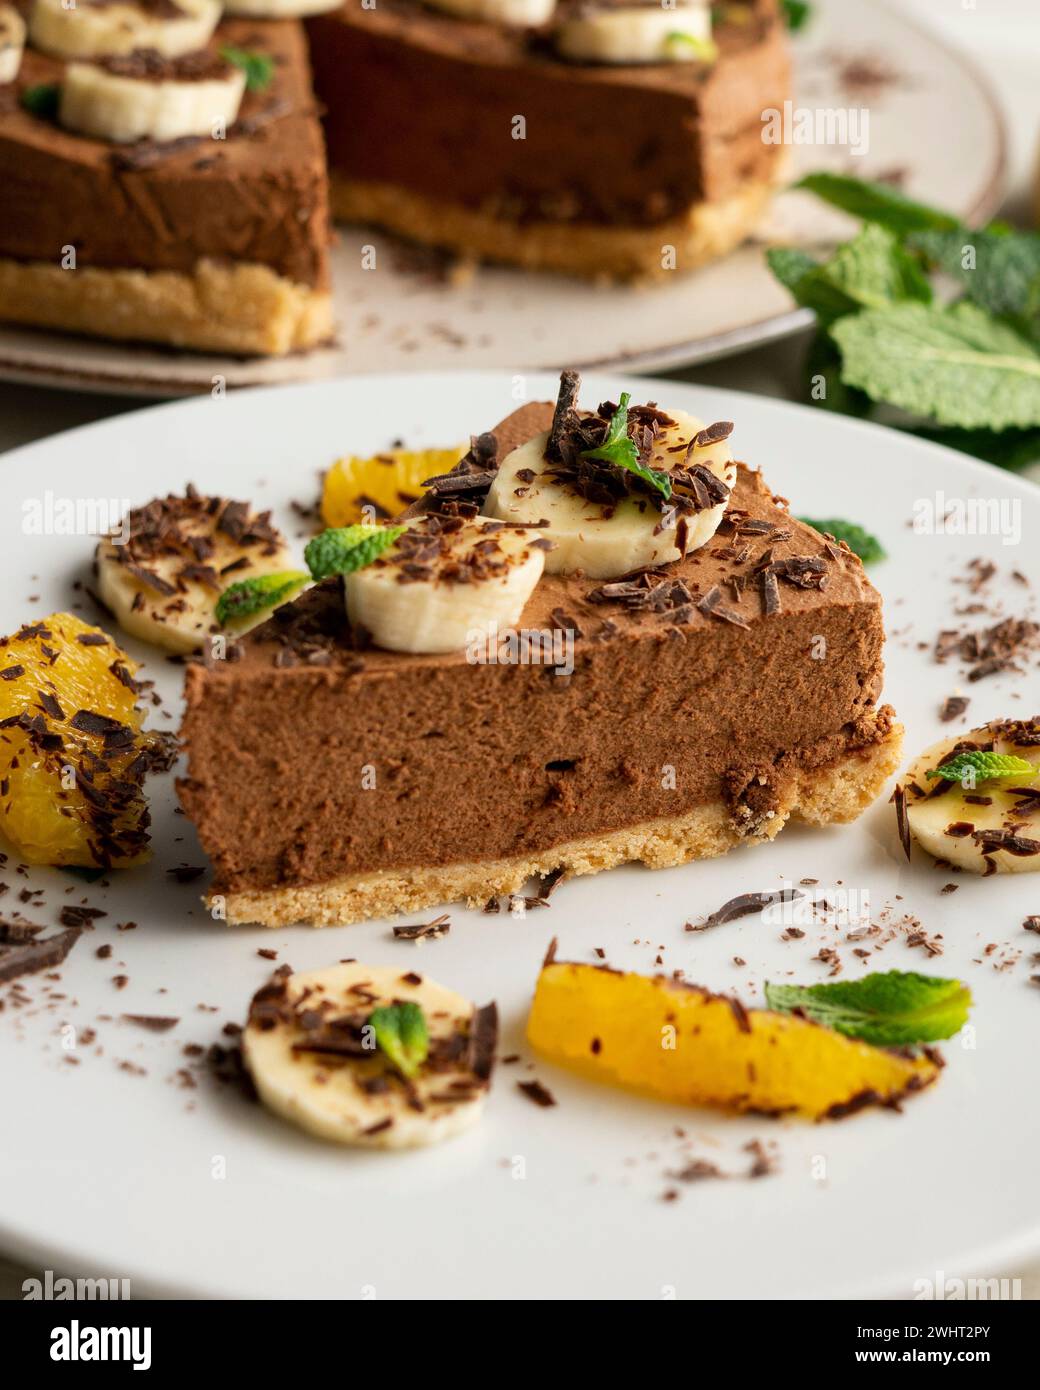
(931, 126)
(127, 1159)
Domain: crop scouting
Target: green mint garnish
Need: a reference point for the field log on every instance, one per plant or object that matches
(889, 1010)
(998, 270)
(965, 374)
(258, 67)
(402, 1035)
(872, 271)
(42, 100)
(877, 202)
(344, 549)
(958, 365)
(706, 49)
(979, 766)
(858, 540)
(251, 596)
(621, 451)
(796, 14)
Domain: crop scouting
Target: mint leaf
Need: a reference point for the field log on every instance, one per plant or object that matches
(998, 271)
(806, 279)
(889, 1010)
(877, 202)
(979, 766)
(858, 540)
(42, 100)
(258, 67)
(621, 451)
(796, 14)
(401, 1034)
(873, 270)
(958, 365)
(251, 596)
(344, 549)
(870, 271)
(706, 50)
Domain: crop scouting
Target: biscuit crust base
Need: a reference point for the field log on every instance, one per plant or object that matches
(703, 233)
(834, 793)
(242, 308)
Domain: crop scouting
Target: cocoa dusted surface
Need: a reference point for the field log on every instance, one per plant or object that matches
(431, 101)
(478, 762)
(258, 197)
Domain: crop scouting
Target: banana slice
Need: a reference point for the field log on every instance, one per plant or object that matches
(982, 824)
(515, 12)
(163, 571)
(631, 33)
(145, 97)
(279, 9)
(85, 30)
(613, 537)
(12, 42)
(314, 1057)
(446, 584)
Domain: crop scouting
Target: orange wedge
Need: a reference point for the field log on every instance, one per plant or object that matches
(73, 757)
(375, 489)
(683, 1044)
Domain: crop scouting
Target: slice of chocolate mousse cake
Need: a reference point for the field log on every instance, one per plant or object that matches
(598, 640)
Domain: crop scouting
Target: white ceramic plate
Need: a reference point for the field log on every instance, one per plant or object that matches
(933, 127)
(106, 1173)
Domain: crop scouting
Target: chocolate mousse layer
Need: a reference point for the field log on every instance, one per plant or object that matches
(429, 104)
(312, 757)
(257, 197)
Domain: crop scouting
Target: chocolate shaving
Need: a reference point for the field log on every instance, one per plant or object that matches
(902, 819)
(482, 1041)
(712, 606)
(422, 931)
(953, 707)
(26, 957)
(537, 1093)
(152, 1022)
(744, 906)
(564, 415)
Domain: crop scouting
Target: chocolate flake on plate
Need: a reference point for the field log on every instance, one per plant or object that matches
(537, 1093)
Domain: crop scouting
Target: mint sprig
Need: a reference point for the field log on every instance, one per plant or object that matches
(344, 549)
(964, 373)
(890, 1009)
(797, 14)
(706, 50)
(877, 202)
(960, 366)
(42, 100)
(857, 538)
(248, 597)
(621, 451)
(980, 766)
(872, 271)
(258, 67)
(402, 1036)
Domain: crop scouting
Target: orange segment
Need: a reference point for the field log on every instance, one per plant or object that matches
(685, 1045)
(385, 484)
(73, 757)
